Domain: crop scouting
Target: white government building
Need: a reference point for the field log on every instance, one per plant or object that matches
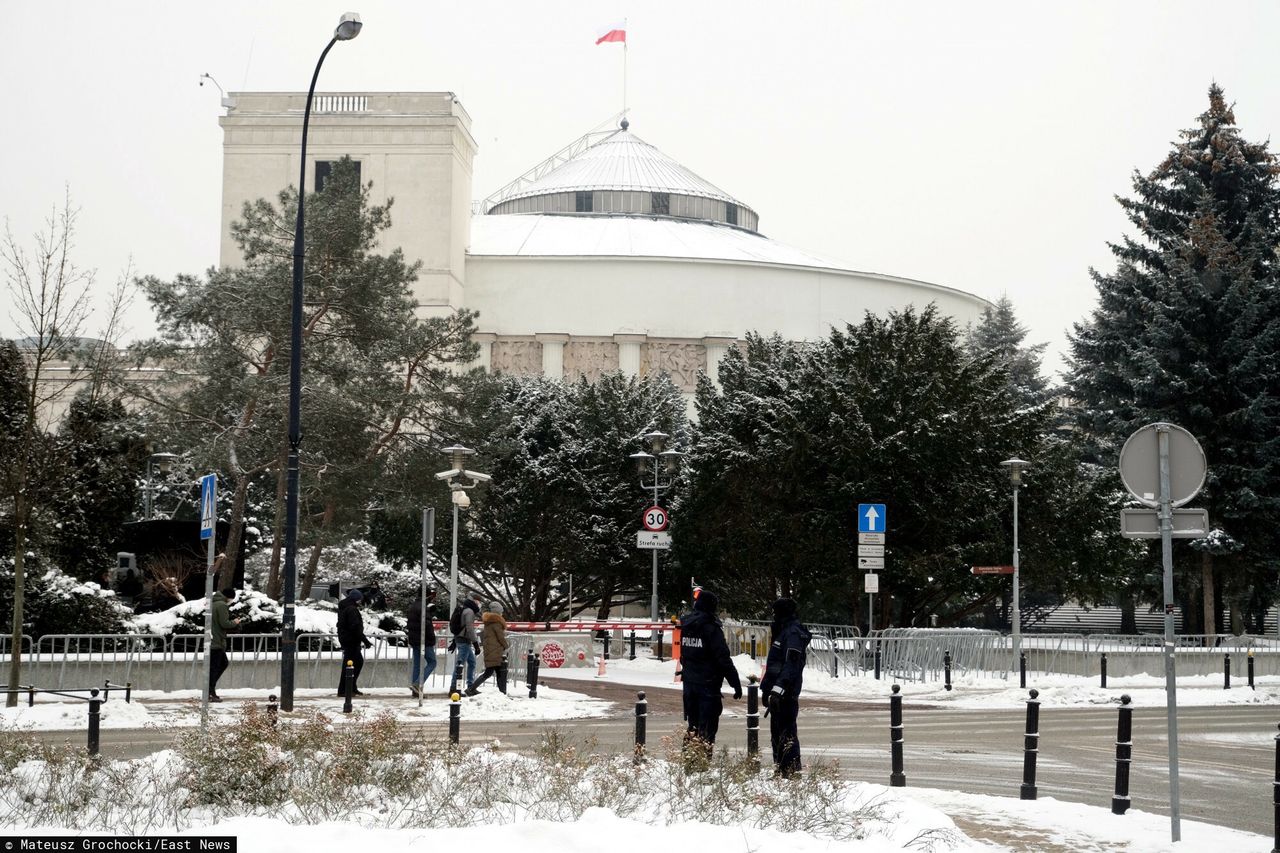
(553, 261)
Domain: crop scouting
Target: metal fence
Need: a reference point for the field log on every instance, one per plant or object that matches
(168, 663)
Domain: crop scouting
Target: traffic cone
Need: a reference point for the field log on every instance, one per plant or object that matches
(600, 667)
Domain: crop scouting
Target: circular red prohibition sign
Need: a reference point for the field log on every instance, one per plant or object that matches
(655, 518)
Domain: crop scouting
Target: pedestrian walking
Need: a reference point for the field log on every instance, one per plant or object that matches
(423, 645)
(783, 680)
(462, 625)
(351, 637)
(222, 623)
(493, 639)
(705, 661)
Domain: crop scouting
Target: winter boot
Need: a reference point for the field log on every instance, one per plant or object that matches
(415, 690)
(472, 691)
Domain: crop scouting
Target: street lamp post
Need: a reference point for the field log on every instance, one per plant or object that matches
(670, 459)
(347, 29)
(1016, 467)
(163, 461)
(461, 500)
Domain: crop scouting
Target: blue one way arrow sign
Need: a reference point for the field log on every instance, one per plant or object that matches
(871, 518)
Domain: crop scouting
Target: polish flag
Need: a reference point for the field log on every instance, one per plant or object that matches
(613, 32)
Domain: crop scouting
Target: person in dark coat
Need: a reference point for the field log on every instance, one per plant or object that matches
(351, 637)
(221, 623)
(705, 662)
(464, 641)
(783, 680)
(414, 624)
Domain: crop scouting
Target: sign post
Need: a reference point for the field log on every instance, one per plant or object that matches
(871, 526)
(208, 529)
(1163, 466)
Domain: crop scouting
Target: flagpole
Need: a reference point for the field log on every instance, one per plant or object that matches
(624, 69)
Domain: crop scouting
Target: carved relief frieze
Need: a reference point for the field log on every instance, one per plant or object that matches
(589, 359)
(681, 361)
(516, 357)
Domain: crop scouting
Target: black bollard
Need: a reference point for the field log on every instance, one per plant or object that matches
(604, 637)
(535, 663)
(95, 714)
(642, 716)
(106, 690)
(1103, 665)
(457, 677)
(1022, 669)
(1124, 756)
(128, 691)
(946, 669)
(877, 657)
(633, 646)
(1226, 671)
(31, 697)
(1030, 748)
(897, 779)
(753, 720)
(1251, 687)
(753, 648)
(455, 717)
(273, 710)
(1275, 799)
(835, 660)
(659, 647)
(348, 686)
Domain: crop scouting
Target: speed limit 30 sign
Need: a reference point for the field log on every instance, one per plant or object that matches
(655, 518)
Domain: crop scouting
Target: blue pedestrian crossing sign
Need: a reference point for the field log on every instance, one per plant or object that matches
(208, 505)
(871, 518)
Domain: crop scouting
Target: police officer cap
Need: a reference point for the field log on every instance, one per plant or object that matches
(784, 608)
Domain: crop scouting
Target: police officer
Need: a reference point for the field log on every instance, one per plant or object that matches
(705, 662)
(783, 678)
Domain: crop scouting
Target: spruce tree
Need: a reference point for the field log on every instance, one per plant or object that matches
(1187, 330)
(1000, 333)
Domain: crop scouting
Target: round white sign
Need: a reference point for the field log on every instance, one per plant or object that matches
(655, 518)
(1140, 464)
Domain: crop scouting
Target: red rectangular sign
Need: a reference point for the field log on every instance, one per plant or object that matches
(991, 570)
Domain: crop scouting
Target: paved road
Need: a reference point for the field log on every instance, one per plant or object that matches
(1227, 753)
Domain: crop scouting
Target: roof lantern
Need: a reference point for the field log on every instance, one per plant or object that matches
(615, 173)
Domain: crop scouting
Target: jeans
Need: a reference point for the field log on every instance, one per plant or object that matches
(467, 652)
(217, 665)
(427, 667)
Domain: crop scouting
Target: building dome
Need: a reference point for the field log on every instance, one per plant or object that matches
(619, 175)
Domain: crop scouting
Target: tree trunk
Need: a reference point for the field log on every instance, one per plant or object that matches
(309, 576)
(226, 576)
(1128, 615)
(277, 525)
(1210, 604)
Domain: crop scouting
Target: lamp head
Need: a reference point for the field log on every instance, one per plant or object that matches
(348, 27)
(642, 461)
(657, 440)
(670, 460)
(1016, 467)
(164, 461)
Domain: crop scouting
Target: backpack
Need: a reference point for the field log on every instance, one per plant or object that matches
(455, 621)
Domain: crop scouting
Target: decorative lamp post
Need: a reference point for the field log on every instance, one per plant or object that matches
(164, 463)
(1016, 467)
(659, 462)
(461, 500)
(348, 28)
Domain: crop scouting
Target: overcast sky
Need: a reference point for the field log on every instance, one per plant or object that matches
(976, 145)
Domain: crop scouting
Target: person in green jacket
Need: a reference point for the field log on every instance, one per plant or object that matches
(222, 623)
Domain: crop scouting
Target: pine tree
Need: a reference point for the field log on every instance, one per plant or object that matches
(1000, 333)
(1187, 330)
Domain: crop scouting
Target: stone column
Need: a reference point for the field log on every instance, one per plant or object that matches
(716, 348)
(552, 354)
(629, 353)
(485, 357)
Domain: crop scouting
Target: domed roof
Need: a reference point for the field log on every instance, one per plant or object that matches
(621, 162)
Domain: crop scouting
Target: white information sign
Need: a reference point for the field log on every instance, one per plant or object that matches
(870, 538)
(871, 583)
(870, 550)
(651, 539)
(871, 562)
